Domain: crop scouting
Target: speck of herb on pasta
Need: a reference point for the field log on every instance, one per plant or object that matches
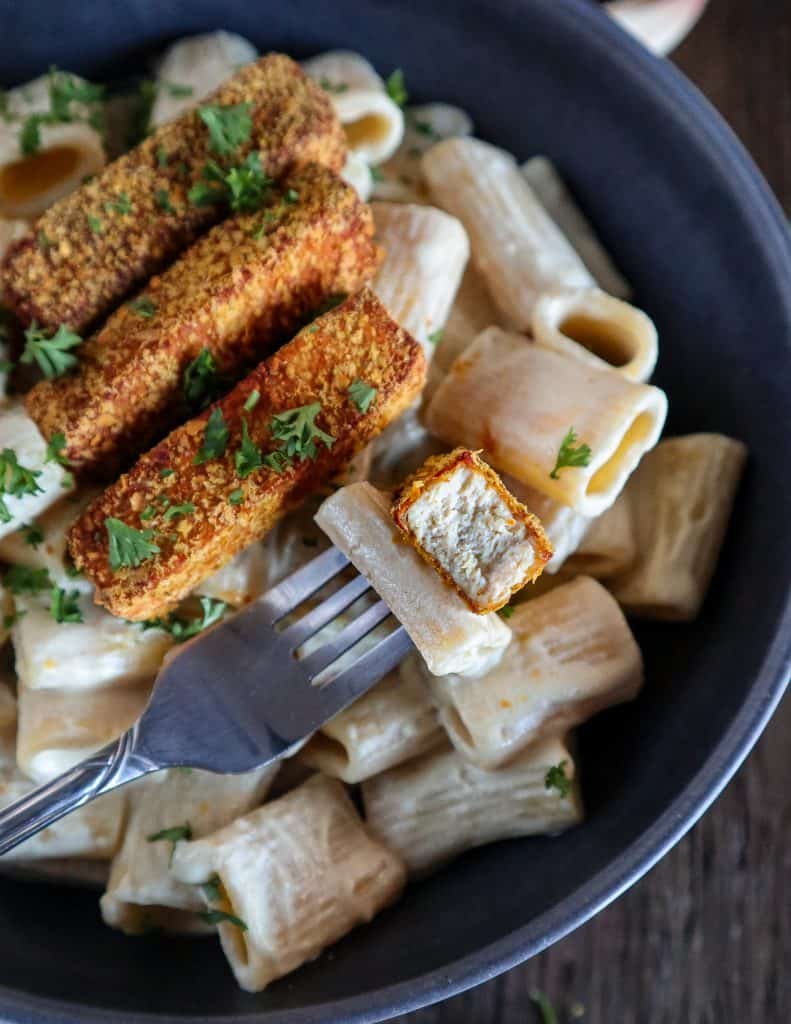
(65, 607)
(556, 778)
(506, 611)
(544, 1007)
(177, 90)
(127, 546)
(425, 128)
(377, 175)
(55, 448)
(173, 835)
(13, 618)
(329, 86)
(212, 888)
(215, 438)
(16, 480)
(220, 916)
(396, 87)
(568, 455)
(436, 337)
(20, 579)
(32, 534)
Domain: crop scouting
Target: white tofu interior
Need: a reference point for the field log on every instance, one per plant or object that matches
(465, 524)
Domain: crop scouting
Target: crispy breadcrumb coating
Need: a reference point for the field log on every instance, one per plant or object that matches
(92, 248)
(239, 291)
(357, 340)
(476, 535)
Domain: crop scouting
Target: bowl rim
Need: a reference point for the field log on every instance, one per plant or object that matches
(668, 88)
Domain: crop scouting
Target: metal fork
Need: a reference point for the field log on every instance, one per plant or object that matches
(235, 698)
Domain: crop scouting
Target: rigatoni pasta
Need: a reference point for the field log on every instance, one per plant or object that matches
(681, 498)
(290, 878)
(516, 246)
(572, 655)
(435, 807)
(573, 432)
(609, 546)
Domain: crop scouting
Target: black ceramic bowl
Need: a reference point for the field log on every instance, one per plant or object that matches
(695, 228)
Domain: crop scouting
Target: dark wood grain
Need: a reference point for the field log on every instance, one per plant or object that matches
(705, 938)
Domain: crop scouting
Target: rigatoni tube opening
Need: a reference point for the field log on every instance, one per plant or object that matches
(606, 339)
(370, 129)
(22, 180)
(608, 475)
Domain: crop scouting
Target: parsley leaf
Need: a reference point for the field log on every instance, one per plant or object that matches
(148, 513)
(247, 457)
(65, 607)
(128, 546)
(236, 497)
(297, 432)
(556, 778)
(172, 835)
(53, 354)
(16, 480)
(30, 134)
(252, 400)
(330, 86)
(122, 205)
(167, 471)
(217, 916)
(185, 629)
(545, 1008)
(362, 394)
(163, 200)
(65, 89)
(162, 156)
(436, 337)
(229, 127)
(43, 241)
(95, 224)
(506, 611)
(396, 87)
(377, 175)
(201, 380)
(249, 186)
(291, 196)
(568, 455)
(215, 438)
(212, 189)
(20, 579)
(185, 509)
(212, 888)
(144, 307)
(55, 447)
(177, 91)
(425, 128)
(32, 534)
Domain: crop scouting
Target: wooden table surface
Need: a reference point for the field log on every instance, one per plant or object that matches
(704, 938)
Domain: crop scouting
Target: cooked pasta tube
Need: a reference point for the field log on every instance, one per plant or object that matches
(400, 179)
(97, 652)
(572, 655)
(609, 546)
(354, 350)
(25, 495)
(449, 636)
(392, 723)
(517, 247)
(41, 543)
(434, 808)
(37, 168)
(59, 728)
(10, 230)
(426, 251)
(400, 449)
(289, 879)
(231, 299)
(6, 616)
(472, 312)
(192, 68)
(568, 430)
(564, 527)
(357, 173)
(461, 519)
(373, 123)
(241, 581)
(600, 330)
(166, 808)
(66, 271)
(681, 497)
(551, 191)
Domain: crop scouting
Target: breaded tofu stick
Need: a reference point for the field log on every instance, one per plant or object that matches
(223, 479)
(89, 250)
(238, 292)
(458, 515)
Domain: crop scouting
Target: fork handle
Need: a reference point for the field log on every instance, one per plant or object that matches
(108, 768)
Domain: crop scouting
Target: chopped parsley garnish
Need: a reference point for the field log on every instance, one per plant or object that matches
(436, 337)
(32, 534)
(236, 497)
(144, 307)
(215, 438)
(65, 89)
(122, 205)
(43, 241)
(544, 1007)
(167, 472)
(162, 199)
(53, 355)
(247, 457)
(148, 513)
(425, 128)
(185, 509)
(128, 546)
(20, 579)
(297, 432)
(212, 888)
(568, 455)
(229, 127)
(201, 380)
(556, 778)
(377, 175)
(177, 91)
(65, 607)
(244, 188)
(506, 611)
(12, 619)
(396, 87)
(30, 134)
(219, 916)
(95, 224)
(362, 394)
(291, 196)
(329, 86)
(172, 835)
(55, 447)
(162, 156)
(212, 610)
(252, 400)
(16, 480)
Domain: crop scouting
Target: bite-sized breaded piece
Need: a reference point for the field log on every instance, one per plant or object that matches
(239, 291)
(93, 247)
(223, 512)
(460, 517)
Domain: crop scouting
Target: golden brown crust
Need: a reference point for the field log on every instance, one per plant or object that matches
(234, 292)
(62, 271)
(357, 340)
(437, 468)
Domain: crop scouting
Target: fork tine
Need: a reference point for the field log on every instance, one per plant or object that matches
(303, 628)
(294, 589)
(333, 649)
